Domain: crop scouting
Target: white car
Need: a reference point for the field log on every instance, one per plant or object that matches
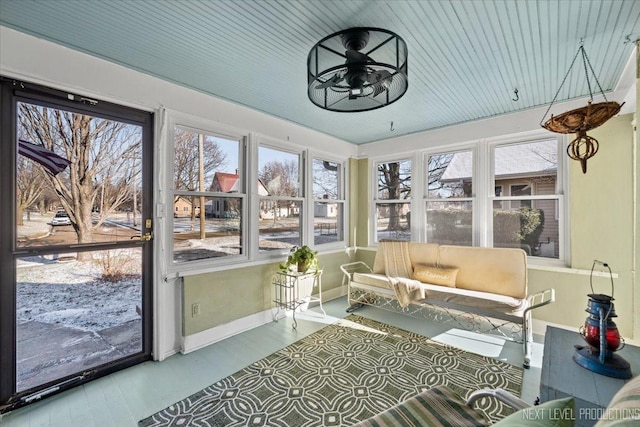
(61, 219)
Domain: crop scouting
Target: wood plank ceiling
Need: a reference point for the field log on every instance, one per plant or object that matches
(465, 57)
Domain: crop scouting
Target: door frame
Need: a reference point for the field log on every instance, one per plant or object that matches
(11, 92)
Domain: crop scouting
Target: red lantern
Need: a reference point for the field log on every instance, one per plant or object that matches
(602, 335)
(591, 334)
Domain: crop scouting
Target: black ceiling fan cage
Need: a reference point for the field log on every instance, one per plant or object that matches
(358, 69)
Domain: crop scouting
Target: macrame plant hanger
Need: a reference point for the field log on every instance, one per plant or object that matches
(581, 120)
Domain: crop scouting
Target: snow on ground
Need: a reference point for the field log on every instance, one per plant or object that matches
(73, 293)
(58, 289)
(34, 225)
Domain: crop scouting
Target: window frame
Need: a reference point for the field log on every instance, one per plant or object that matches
(205, 127)
(250, 227)
(375, 200)
(483, 190)
(560, 194)
(302, 153)
(474, 182)
(341, 199)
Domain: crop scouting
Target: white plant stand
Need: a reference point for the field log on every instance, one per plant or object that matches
(293, 291)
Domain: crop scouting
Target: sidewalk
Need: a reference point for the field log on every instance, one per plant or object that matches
(50, 351)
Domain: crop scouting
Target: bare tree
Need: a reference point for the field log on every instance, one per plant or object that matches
(98, 149)
(281, 178)
(186, 157)
(394, 183)
(187, 173)
(48, 199)
(439, 188)
(29, 186)
(325, 180)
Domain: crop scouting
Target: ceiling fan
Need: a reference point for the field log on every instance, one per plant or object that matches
(371, 73)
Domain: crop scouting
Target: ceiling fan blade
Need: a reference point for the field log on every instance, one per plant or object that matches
(380, 81)
(337, 78)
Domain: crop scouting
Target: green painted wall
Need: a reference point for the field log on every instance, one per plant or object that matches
(228, 295)
(601, 209)
(359, 190)
(636, 255)
(366, 256)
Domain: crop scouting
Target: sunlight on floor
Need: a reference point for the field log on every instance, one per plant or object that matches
(483, 344)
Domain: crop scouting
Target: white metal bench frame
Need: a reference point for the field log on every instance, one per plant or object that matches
(476, 319)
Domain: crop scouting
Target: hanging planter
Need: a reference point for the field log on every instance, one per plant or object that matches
(583, 119)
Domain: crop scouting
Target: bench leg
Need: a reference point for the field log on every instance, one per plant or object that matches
(355, 306)
(527, 339)
(355, 303)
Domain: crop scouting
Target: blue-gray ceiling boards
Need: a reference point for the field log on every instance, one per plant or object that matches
(466, 57)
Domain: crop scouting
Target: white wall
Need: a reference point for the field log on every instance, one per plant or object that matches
(31, 59)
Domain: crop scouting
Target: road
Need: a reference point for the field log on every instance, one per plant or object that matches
(66, 235)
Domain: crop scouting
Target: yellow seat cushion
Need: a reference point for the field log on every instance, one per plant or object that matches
(457, 296)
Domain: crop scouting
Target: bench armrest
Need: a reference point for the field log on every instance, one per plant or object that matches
(540, 298)
(353, 267)
(500, 394)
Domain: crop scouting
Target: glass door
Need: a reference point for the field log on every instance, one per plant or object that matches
(76, 241)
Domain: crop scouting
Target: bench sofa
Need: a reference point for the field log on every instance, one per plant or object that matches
(460, 280)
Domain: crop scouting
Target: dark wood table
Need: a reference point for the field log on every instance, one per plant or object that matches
(562, 377)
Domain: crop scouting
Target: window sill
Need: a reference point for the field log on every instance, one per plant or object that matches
(569, 270)
(176, 272)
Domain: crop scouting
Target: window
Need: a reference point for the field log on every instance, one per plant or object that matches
(285, 199)
(280, 199)
(208, 196)
(495, 194)
(449, 198)
(393, 201)
(527, 217)
(328, 201)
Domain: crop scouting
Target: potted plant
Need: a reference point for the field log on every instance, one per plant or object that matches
(303, 258)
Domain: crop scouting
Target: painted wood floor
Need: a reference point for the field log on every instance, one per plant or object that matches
(124, 398)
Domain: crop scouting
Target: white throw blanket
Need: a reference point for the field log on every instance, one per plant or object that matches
(398, 269)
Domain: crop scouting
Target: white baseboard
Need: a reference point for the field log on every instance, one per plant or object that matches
(165, 355)
(202, 339)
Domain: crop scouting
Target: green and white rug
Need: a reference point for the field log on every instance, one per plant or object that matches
(339, 375)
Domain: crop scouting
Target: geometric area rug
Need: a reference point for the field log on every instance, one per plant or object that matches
(339, 375)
